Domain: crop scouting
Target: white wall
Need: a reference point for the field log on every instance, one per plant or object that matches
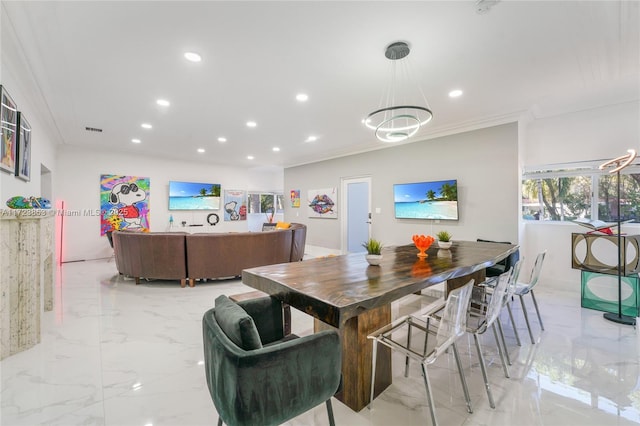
(593, 134)
(16, 78)
(483, 161)
(78, 185)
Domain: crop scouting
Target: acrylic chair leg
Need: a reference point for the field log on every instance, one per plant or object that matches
(374, 355)
(526, 319)
(426, 339)
(513, 324)
(504, 342)
(483, 368)
(332, 422)
(505, 368)
(535, 303)
(462, 378)
(427, 385)
(406, 361)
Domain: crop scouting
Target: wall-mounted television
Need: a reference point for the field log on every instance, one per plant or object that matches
(194, 196)
(426, 200)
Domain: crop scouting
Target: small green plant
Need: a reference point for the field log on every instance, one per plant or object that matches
(372, 246)
(444, 236)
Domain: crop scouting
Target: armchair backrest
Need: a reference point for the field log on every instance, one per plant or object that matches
(513, 280)
(299, 240)
(508, 261)
(453, 323)
(537, 267)
(497, 299)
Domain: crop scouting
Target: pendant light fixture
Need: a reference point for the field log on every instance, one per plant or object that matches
(397, 120)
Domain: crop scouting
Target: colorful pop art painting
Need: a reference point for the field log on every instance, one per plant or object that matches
(8, 135)
(235, 205)
(323, 203)
(124, 203)
(295, 198)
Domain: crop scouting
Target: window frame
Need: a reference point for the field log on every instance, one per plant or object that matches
(588, 169)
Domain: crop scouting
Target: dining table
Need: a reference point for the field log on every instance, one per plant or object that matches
(346, 294)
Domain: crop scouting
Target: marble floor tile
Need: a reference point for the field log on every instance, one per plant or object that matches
(113, 353)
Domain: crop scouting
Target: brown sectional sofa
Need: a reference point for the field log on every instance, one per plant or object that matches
(182, 256)
(158, 255)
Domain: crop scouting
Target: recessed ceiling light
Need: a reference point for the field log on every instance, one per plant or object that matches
(276, 149)
(163, 102)
(136, 140)
(312, 138)
(146, 126)
(221, 139)
(193, 57)
(455, 93)
(200, 150)
(250, 157)
(251, 124)
(302, 97)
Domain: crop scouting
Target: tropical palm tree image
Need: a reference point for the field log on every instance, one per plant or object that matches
(426, 200)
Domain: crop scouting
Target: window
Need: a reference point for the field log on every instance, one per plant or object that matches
(279, 203)
(254, 203)
(580, 190)
(266, 203)
(607, 199)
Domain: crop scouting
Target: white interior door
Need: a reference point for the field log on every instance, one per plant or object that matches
(357, 211)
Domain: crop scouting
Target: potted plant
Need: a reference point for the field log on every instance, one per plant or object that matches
(374, 251)
(444, 239)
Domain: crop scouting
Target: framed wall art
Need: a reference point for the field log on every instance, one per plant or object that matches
(235, 205)
(323, 203)
(23, 152)
(295, 198)
(124, 203)
(8, 135)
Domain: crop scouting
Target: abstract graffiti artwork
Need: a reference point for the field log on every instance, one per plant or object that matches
(323, 203)
(8, 134)
(124, 203)
(235, 205)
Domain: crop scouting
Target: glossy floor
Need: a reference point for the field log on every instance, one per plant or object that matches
(113, 353)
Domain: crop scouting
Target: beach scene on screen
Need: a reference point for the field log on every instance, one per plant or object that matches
(426, 200)
(194, 196)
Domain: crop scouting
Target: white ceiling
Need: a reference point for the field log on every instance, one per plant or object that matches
(104, 64)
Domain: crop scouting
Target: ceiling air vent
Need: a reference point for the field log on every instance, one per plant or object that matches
(93, 129)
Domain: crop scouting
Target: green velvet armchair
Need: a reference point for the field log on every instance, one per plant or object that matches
(256, 375)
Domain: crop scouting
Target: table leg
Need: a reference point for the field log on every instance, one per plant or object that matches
(478, 276)
(356, 356)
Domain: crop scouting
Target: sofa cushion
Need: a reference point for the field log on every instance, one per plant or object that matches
(236, 323)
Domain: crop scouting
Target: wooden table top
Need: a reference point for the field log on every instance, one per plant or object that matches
(334, 289)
